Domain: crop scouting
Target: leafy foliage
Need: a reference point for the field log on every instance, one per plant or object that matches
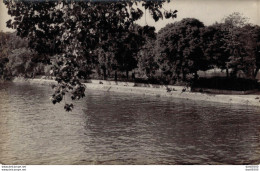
(147, 63)
(16, 58)
(72, 30)
(77, 37)
(235, 19)
(233, 45)
(180, 49)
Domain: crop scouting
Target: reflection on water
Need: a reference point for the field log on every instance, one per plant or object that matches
(114, 128)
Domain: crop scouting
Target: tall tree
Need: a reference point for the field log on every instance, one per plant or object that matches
(129, 46)
(20, 63)
(180, 49)
(106, 59)
(147, 63)
(239, 45)
(247, 53)
(235, 19)
(216, 46)
(8, 43)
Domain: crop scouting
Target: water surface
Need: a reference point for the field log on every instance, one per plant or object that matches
(118, 128)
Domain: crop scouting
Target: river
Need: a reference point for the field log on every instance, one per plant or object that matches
(120, 128)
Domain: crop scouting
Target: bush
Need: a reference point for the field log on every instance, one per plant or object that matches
(152, 80)
(226, 83)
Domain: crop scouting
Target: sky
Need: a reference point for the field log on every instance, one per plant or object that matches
(207, 11)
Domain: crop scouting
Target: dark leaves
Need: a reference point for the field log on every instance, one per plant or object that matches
(68, 107)
(9, 23)
(170, 14)
(68, 31)
(56, 98)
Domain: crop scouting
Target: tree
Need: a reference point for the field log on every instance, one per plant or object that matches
(129, 46)
(147, 63)
(3, 62)
(71, 30)
(8, 43)
(20, 63)
(127, 50)
(4, 51)
(238, 46)
(120, 53)
(235, 19)
(256, 38)
(216, 47)
(106, 59)
(247, 53)
(179, 45)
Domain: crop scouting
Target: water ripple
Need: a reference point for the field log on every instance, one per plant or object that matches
(114, 128)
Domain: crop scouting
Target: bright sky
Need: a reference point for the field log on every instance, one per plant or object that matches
(207, 11)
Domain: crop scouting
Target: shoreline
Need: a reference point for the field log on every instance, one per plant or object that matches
(158, 91)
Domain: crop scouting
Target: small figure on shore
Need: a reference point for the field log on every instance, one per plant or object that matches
(168, 89)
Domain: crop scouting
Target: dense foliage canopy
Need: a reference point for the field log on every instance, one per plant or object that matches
(81, 37)
(180, 47)
(72, 30)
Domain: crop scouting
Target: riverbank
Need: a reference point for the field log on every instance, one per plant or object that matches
(158, 90)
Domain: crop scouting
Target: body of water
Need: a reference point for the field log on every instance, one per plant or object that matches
(118, 128)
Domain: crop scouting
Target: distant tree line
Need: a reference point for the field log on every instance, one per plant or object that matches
(177, 52)
(185, 47)
(81, 37)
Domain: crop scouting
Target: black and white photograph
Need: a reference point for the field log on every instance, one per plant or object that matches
(130, 82)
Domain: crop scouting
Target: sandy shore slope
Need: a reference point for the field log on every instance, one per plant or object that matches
(159, 91)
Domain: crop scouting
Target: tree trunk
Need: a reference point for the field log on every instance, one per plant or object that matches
(115, 75)
(184, 76)
(99, 73)
(133, 76)
(234, 73)
(227, 72)
(127, 74)
(105, 73)
(108, 73)
(196, 76)
(256, 71)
